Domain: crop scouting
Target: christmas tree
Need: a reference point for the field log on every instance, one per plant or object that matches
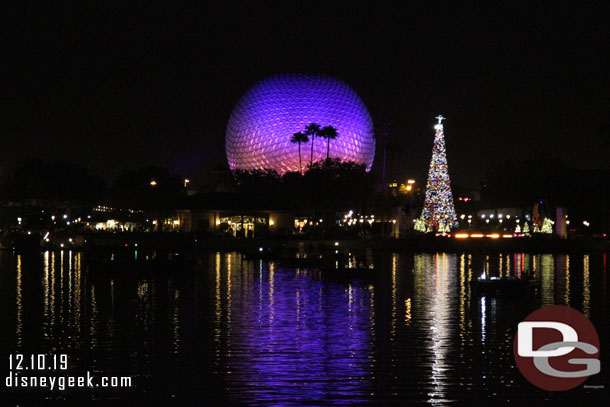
(518, 228)
(547, 226)
(438, 207)
(420, 226)
(526, 229)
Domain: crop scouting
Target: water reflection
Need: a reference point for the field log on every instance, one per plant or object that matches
(283, 326)
(256, 332)
(546, 265)
(434, 301)
(19, 305)
(586, 298)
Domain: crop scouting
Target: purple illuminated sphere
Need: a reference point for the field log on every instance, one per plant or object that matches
(266, 117)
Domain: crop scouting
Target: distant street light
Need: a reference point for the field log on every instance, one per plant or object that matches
(410, 184)
(153, 183)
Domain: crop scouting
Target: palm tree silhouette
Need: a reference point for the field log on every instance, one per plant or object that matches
(313, 130)
(299, 138)
(329, 133)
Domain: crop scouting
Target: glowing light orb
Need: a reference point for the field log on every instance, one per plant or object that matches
(266, 117)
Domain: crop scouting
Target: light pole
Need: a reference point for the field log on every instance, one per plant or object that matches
(410, 186)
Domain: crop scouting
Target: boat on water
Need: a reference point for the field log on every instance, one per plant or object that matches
(502, 286)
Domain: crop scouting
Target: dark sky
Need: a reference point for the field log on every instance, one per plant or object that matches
(112, 88)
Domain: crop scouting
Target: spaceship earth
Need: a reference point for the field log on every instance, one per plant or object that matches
(270, 112)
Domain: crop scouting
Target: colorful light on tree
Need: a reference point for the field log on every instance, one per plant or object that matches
(547, 226)
(420, 226)
(439, 212)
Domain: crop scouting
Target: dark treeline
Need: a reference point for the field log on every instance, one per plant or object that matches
(152, 189)
(58, 184)
(326, 188)
(523, 183)
(50, 184)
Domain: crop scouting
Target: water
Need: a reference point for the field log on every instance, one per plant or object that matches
(237, 331)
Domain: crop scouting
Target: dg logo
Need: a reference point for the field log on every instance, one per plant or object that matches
(556, 348)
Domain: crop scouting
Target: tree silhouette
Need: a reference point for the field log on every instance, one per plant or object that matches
(51, 183)
(329, 133)
(149, 188)
(299, 138)
(313, 130)
(333, 185)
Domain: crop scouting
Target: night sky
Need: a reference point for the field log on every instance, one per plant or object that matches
(121, 88)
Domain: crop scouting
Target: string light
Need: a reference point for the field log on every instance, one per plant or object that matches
(547, 226)
(439, 212)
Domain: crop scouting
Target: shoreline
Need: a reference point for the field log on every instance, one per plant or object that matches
(190, 243)
(415, 245)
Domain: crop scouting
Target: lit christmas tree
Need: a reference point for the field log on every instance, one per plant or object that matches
(526, 229)
(420, 226)
(547, 226)
(439, 213)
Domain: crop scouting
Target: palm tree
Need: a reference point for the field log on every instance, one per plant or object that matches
(329, 133)
(299, 138)
(312, 130)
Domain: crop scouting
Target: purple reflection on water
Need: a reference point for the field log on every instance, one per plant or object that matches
(290, 338)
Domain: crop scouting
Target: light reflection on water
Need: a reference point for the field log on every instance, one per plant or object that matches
(252, 331)
(293, 338)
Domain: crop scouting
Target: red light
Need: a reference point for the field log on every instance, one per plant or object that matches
(126, 245)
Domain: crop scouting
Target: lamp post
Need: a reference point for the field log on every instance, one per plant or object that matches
(410, 191)
(410, 186)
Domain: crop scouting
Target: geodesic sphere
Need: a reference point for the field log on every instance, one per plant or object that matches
(265, 118)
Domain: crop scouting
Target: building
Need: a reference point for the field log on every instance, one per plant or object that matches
(232, 214)
(263, 121)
